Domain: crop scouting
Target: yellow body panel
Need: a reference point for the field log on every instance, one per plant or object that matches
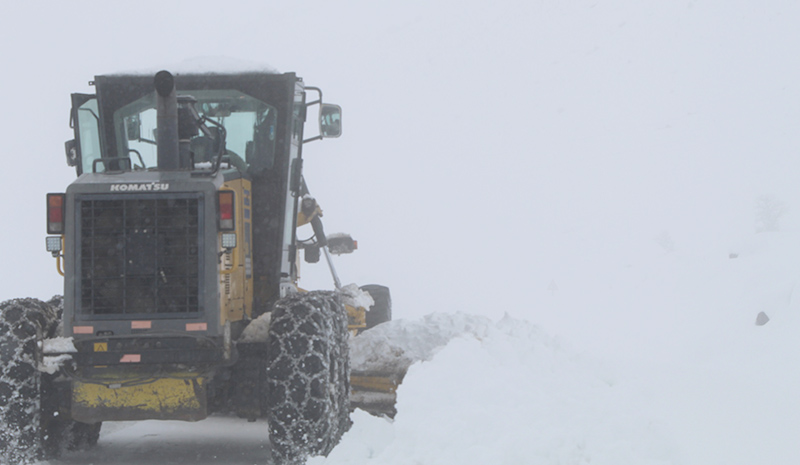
(236, 277)
(356, 318)
(162, 399)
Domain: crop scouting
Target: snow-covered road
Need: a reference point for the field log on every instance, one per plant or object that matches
(217, 440)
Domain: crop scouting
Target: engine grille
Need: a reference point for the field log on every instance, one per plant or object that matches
(139, 255)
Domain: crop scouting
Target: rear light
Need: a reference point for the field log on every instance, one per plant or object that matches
(55, 213)
(226, 217)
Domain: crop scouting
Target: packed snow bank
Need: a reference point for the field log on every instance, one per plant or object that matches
(497, 392)
(686, 376)
(394, 346)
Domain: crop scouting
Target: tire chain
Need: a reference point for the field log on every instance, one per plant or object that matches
(33, 428)
(23, 323)
(308, 376)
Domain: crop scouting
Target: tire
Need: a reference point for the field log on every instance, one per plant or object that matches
(23, 324)
(29, 400)
(308, 376)
(381, 312)
(64, 435)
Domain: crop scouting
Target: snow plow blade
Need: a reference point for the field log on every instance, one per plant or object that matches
(375, 393)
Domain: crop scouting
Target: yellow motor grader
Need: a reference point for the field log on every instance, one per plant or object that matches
(178, 247)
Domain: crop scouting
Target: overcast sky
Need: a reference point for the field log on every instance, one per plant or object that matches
(489, 149)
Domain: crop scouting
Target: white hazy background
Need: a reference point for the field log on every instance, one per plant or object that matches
(504, 157)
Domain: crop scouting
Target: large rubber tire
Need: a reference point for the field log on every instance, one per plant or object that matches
(64, 434)
(23, 324)
(29, 400)
(381, 312)
(308, 376)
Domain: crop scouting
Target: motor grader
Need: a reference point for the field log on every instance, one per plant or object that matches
(179, 249)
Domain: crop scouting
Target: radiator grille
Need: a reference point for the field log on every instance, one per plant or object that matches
(139, 255)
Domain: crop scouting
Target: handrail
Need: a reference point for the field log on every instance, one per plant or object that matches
(59, 264)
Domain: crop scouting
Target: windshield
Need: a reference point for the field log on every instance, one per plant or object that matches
(249, 123)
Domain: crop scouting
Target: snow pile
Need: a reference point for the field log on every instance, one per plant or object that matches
(257, 330)
(353, 296)
(499, 392)
(685, 375)
(396, 345)
(56, 353)
(58, 345)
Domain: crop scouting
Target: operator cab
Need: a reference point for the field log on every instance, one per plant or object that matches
(241, 128)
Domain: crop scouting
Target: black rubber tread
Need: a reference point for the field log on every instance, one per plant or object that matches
(68, 435)
(29, 401)
(23, 324)
(381, 312)
(308, 376)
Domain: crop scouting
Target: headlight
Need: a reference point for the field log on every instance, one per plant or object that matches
(229, 240)
(53, 244)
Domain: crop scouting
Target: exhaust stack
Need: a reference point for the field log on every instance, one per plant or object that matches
(167, 120)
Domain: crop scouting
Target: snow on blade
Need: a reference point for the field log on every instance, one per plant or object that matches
(355, 297)
(395, 345)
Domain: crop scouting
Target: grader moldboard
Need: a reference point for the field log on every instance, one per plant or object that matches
(179, 232)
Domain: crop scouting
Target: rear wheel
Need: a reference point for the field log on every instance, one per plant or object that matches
(23, 325)
(308, 382)
(29, 399)
(63, 434)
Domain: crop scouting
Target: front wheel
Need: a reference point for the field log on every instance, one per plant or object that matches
(308, 369)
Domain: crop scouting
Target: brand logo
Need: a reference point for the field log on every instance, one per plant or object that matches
(141, 187)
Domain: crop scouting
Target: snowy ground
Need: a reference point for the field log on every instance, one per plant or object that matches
(673, 370)
(217, 440)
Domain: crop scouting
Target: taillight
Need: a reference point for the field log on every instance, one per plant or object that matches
(226, 209)
(55, 213)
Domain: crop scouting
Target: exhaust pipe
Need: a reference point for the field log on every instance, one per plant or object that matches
(167, 120)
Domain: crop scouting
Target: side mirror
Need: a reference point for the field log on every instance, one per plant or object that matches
(330, 120)
(71, 147)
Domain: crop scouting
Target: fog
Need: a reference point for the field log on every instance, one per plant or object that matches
(490, 152)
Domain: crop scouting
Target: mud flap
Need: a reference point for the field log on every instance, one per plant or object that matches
(162, 399)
